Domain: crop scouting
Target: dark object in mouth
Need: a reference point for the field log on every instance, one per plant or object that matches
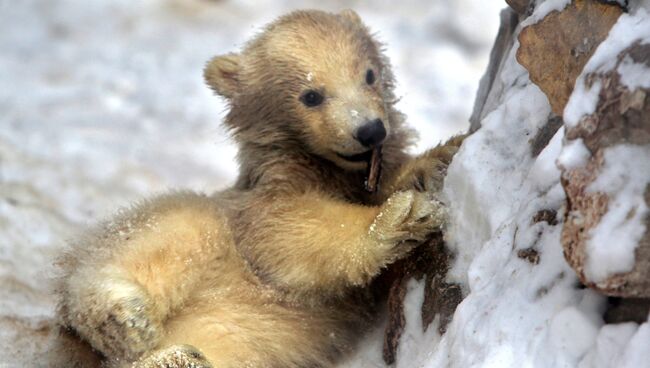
(374, 170)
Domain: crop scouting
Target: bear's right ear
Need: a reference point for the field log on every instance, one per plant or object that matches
(222, 74)
(351, 15)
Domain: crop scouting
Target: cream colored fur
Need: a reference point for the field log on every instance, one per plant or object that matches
(272, 272)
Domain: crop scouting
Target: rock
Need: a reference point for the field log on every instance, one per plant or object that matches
(627, 310)
(556, 49)
(490, 88)
(529, 254)
(520, 6)
(622, 116)
(544, 135)
(622, 3)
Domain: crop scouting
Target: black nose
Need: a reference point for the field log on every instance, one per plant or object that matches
(372, 133)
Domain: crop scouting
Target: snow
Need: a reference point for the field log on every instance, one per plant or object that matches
(581, 103)
(610, 341)
(574, 154)
(545, 169)
(634, 75)
(572, 332)
(543, 8)
(623, 177)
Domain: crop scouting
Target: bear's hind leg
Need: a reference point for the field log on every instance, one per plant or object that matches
(127, 278)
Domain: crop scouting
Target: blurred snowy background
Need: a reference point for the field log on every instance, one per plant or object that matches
(103, 102)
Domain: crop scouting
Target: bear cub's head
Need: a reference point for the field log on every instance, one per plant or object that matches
(313, 80)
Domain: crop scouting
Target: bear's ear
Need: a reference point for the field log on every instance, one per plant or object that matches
(351, 15)
(222, 74)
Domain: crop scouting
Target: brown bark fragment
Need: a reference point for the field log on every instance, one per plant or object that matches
(431, 262)
(555, 50)
(396, 318)
(374, 170)
(529, 254)
(548, 216)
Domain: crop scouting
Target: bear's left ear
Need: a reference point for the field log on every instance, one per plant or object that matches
(222, 74)
(351, 15)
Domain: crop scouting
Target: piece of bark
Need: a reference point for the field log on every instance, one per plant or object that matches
(622, 116)
(396, 317)
(431, 262)
(556, 49)
(548, 216)
(374, 170)
(529, 254)
(440, 297)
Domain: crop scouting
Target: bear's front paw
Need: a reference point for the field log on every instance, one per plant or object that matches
(408, 216)
(116, 317)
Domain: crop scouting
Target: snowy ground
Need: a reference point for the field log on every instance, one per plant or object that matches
(103, 103)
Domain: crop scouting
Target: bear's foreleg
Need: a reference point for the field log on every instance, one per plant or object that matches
(315, 243)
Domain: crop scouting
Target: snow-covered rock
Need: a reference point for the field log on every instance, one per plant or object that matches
(606, 236)
(524, 304)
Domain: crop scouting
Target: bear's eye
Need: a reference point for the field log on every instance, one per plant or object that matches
(370, 77)
(311, 98)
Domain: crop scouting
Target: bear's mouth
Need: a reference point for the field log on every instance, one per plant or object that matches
(364, 156)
